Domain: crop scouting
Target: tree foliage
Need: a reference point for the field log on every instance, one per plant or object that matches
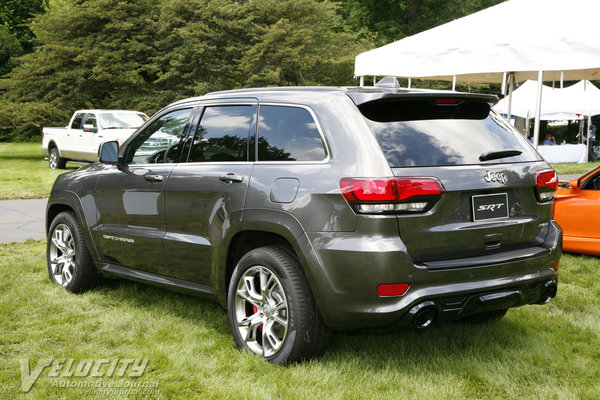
(391, 20)
(143, 54)
(16, 37)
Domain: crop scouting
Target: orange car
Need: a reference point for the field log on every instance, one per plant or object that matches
(577, 211)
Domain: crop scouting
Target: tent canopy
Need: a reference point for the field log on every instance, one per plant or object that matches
(572, 102)
(522, 36)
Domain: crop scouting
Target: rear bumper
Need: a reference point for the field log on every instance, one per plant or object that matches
(344, 271)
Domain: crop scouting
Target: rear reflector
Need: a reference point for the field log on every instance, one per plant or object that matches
(389, 195)
(546, 184)
(555, 268)
(396, 289)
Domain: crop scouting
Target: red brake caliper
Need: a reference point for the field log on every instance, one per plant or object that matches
(254, 311)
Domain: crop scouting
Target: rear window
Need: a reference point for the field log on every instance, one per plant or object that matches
(436, 132)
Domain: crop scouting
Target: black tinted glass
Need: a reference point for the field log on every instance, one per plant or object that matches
(223, 134)
(288, 134)
(445, 136)
(77, 121)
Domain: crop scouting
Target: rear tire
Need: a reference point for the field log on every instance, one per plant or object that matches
(271, 309)
(69, 262)
(55, 161)
(484, 317)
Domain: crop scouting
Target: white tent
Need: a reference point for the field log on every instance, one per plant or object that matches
(543, 39)
(573, 102)
(522, 36)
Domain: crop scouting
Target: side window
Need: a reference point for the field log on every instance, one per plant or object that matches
(77, 121)
(90, 119)
(222, 134)
(288, 134)
(160, 141)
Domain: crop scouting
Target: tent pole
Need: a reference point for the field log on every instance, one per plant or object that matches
(538, 110)
(362, 81)
(510, 93)
(409, 83)
(454, 83)
(503, 89)
(562, 75)
(374, 80)
(587, 139)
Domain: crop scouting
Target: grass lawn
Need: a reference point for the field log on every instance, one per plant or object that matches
(25, 173)
(574, 168)
(535, 352)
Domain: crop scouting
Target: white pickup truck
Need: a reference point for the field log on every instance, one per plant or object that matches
(81, 139)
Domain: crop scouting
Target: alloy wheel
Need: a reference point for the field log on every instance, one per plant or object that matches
(261, 311)
(62, 255)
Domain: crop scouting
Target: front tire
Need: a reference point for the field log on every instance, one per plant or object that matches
(271, 310)
(55, 161)
(69, 262)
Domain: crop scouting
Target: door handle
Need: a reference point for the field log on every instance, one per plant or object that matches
(231, 177)
(154, 178)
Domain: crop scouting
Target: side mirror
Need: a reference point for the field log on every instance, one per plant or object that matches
(109, 152)
(90, 128)
(575, 183)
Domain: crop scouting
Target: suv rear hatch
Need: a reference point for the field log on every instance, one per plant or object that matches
(495, 195)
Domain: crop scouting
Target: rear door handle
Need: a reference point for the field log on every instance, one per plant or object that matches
(154, 178)
(231, 177)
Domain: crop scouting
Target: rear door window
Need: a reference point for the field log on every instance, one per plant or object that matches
(223, 133)
(423, 132)
(77, 121)
(287, 133)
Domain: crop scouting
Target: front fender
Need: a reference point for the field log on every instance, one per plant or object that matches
(83, 208)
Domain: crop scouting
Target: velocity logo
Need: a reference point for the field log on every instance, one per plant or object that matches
(69, 368)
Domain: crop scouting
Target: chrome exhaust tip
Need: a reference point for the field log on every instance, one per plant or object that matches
(548, 292)
(423, 315)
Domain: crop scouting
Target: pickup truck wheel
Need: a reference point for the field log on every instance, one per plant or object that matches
(55, 161)
(69, 262)
(271, 310)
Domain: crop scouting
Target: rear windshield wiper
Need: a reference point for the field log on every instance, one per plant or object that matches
(494, 155)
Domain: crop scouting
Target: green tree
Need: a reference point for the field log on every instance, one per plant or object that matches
(143, 54)
(391, 20)
(16, 37)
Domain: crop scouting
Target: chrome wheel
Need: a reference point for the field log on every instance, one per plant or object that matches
(261, 311)
(53, 159)
(62, 255)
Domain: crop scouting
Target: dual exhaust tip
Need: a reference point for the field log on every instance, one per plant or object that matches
(548, 292)
(422, 315)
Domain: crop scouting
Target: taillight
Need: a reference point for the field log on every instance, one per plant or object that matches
(546, 184)
(391, 195)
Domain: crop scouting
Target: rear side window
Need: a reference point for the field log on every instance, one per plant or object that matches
(223, 134)
(423, 132)
(77, 121)
(288, 134)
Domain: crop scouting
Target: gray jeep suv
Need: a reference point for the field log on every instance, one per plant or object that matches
(306, 210)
